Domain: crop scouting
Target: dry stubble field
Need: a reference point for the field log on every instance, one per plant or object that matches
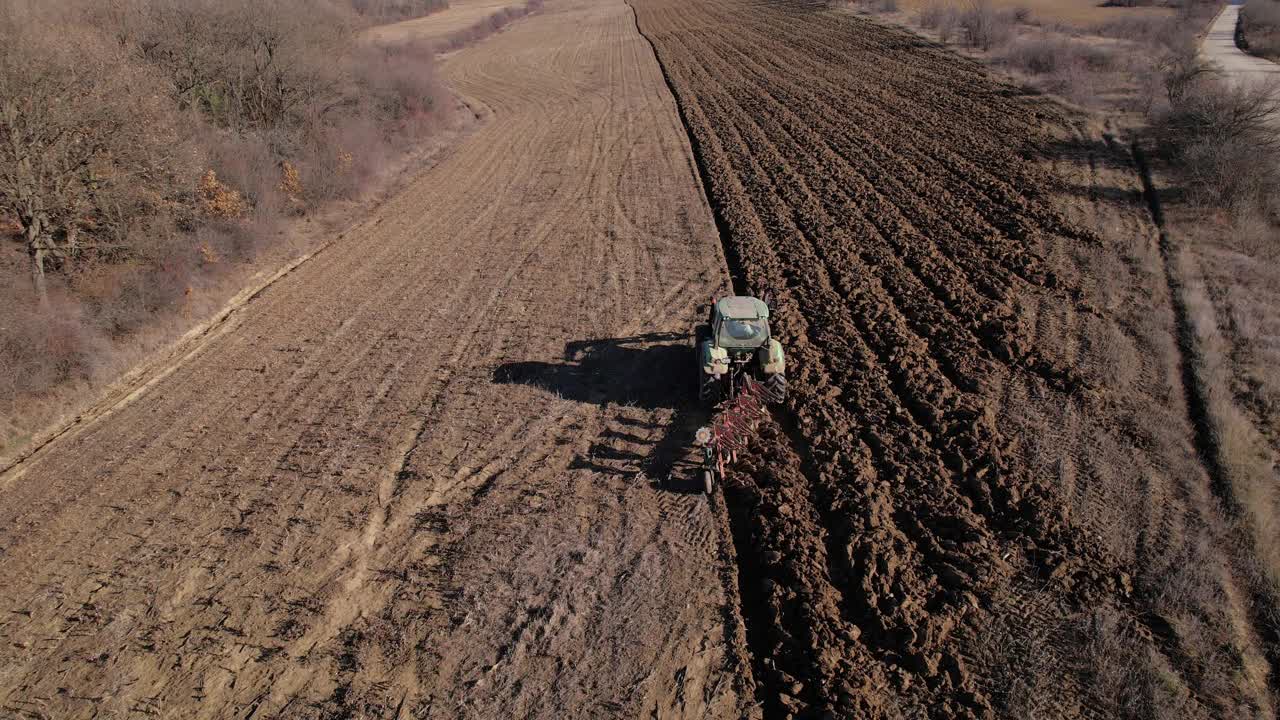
(409, 479)
(379, 488)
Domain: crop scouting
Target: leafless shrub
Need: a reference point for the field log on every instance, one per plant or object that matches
(401, 84)
(1182, 69)
(1062, 65)
(1231, 173)
(42, 347)
(939, 16)
(242, 64)
(384, 10)
(1256, 236)
(1049, 54)
(1224, 140)
(984, 26)
(1152, 30)
(489, 25)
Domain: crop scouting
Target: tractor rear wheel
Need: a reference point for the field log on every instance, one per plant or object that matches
(708, 394)
(710, 389)
(777, 386)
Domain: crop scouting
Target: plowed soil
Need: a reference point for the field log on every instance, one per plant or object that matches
(414, 476)
(933, 296)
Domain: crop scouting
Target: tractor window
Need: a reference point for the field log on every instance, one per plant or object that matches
(743, 333)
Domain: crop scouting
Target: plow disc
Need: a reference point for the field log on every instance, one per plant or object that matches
(732, 427)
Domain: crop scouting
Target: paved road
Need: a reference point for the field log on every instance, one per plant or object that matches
(1219, 46)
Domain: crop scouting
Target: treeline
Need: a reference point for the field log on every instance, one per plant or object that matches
(145, 144)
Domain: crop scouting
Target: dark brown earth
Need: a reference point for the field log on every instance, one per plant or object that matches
(893, 201)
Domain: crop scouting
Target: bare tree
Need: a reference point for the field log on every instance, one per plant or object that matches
(83, 137)
(1225, 139)
(1183, 69)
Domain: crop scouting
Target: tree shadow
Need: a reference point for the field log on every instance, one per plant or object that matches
(653, 371)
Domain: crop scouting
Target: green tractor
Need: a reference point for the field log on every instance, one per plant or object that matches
(735, 346)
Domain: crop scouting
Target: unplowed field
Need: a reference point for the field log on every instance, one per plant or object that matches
(893, 201)
(380, 488)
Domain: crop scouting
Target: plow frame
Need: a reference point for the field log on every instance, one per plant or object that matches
(732, 427)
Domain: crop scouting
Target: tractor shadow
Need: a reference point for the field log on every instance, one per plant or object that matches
(651, 372)
(646, 371)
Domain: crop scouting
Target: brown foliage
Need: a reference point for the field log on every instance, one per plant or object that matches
(984, 26)
(217, 200)
(291, 183)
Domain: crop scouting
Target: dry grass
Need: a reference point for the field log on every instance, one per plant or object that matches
(1133, 483)
(1242, 514)
(1243, 454)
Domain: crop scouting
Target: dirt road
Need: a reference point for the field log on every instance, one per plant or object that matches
(411, 478)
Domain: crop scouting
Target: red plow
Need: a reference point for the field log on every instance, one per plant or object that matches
(732, 426)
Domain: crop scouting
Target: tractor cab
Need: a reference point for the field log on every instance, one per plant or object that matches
(740, 324)
(735, 345)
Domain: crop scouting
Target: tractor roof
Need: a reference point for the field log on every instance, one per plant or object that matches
(740, 307)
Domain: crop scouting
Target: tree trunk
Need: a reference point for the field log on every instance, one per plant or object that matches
(37, 276)
(38, 249)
